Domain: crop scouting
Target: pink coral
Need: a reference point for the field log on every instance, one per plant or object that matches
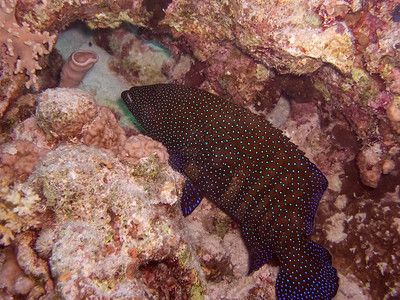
(140, 146)
(104, 131)
(24, 46)
(18, 159)
(76, 67)
(73, 114)
(393, 114)
(369, 162)
(29, 130)
(12, 279)
(31, 264)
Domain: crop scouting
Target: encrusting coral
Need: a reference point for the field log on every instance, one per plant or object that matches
(20, 206)
(393, 114)
(78, 192)
(102, 211)
(13, 281)
(67, 113)
(76, 67)
(18, 159)
(63, 112)
(139, 146)
(369, 162)
(24, 46)
(104, 131)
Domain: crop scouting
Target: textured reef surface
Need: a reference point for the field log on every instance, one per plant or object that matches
(79, 184)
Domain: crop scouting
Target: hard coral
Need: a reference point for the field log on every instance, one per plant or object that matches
(32, 265)
(393, 114)
(73, 115)
(18, 159)
(22, 273)
(24, 46)
(140, 146)
(19, 208)
(104, 131)
(13, 281)
(102, 212)
(288, 36)
(140, 62)
(234, 73)
(21, 109)
(369, 162)
(63, 112)
(30, 131)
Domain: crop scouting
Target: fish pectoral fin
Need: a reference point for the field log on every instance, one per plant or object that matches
(306, 272)
(191, 197)
(178, 160)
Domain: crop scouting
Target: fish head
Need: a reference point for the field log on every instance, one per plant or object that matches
(144, 103)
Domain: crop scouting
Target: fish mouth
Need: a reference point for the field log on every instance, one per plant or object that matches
(126, 97)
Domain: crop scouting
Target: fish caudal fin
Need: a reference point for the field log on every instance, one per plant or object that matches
(306, 272)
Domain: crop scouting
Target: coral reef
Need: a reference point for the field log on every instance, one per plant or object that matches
(393, 114)
(23, 46)
(20, 208)
(125, 210)
(66, 113)
(104, 131)
(12, 279)
(337, 64)
(18, 158)
(139, 146)
(292, 42)
(63, 112)
(141, 62)
(103, 213)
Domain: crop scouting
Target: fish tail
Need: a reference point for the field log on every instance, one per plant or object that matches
(306, 272)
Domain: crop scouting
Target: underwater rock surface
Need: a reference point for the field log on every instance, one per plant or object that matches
(106, 222)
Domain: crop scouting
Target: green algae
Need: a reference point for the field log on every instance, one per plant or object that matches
(262, 73)
(222, 226)
(320, 86)
(359, 75)
(366, 83)
(196, 287)
(313, 19)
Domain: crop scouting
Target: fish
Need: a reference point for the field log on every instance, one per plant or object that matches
(251, 171)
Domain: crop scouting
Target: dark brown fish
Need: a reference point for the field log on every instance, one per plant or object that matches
(251, 171)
